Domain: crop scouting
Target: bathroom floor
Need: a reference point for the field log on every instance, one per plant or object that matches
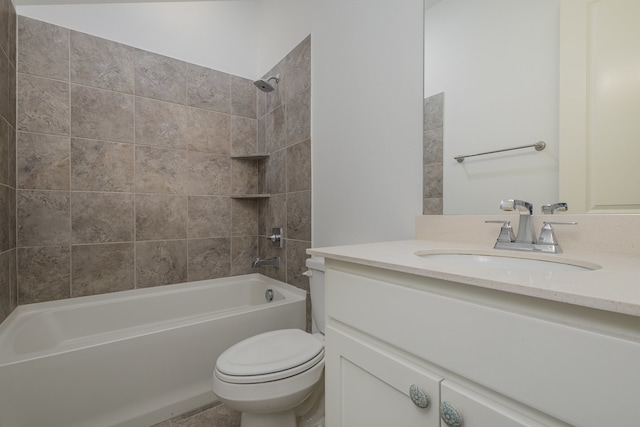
(212, 415)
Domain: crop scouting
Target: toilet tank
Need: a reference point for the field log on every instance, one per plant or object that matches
(316, 286)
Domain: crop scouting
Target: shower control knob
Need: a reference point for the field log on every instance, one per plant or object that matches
(276, 237)
(418, 396)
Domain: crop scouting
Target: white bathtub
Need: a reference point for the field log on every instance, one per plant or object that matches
(131, 358)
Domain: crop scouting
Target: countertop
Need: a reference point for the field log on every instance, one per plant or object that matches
(614, 286)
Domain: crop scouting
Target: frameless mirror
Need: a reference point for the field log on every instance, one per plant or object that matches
(492, 82)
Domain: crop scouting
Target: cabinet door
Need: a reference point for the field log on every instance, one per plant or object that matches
(476, 410)
(367, 386)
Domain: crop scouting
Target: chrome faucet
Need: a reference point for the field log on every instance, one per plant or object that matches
(525, 226)
(526, 240)
(554, 207)
(274, 262)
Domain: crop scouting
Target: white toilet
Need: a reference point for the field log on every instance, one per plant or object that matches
(276, 377)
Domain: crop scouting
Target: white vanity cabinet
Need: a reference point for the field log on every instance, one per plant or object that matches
(499, 359)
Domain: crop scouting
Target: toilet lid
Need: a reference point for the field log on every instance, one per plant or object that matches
(270, 353)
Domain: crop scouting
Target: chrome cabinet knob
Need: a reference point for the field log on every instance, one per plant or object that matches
(450, 415)
(418, 396)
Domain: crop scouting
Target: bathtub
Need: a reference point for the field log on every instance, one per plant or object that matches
(131, 358)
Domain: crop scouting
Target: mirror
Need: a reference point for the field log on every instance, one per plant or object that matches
(492, 82)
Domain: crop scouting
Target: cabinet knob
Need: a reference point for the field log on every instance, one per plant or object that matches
(418, 396)
(450, 415)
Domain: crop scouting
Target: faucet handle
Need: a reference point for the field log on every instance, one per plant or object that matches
(547, 235)
(506, 231)
(554, 207)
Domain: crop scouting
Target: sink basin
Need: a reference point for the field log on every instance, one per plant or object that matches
(507, 263)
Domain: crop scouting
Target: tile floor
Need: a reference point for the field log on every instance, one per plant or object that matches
(212, 415)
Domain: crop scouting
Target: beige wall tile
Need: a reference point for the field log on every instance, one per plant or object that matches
(102, 217)
(244, 250)
(99, 269)
(275, 98)
(299, 215)
(148, 142)
(43, 218)
(209, 258)
(296, 257)
(101, 63)
(243, 97)
(43, 161)
(244, 177)
(160, 170)
(272, 213)
(44, 274)
(297, 69)
(275, 132)
(209, 174)
(209, 216)
(299, 166)
(5, 131)
(43, 105)
(433, 180)
(160, 217)
(101, 166)
(432, 206)
(433, 146)
(101, 114)
(161, 123)
(208, 131)
(276, 173)
(208, 89)
(7, 263)
(160, 77)
(44, 49)
(244, 217)
(161, 263)
(244, 136)
(298, 117)
(5, 218)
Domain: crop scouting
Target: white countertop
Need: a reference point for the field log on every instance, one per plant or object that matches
(614, 287)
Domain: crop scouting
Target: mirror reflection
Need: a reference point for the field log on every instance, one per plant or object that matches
(491, 82)
(508, 73)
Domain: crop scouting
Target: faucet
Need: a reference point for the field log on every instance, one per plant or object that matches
(525, 226)
(554, 207)
(274, 262)
(526, 238)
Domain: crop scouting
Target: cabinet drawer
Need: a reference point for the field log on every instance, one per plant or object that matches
(575, 375)
(477, 410)
(369, 387)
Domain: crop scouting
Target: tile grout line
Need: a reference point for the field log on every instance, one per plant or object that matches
(70, 165)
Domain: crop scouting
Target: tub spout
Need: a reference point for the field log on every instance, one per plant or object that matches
(274, 262)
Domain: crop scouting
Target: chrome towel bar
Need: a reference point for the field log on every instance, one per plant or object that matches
(539, 146)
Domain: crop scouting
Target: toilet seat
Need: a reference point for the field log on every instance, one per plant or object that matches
(269, 356)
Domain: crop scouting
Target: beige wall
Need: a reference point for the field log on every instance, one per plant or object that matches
(8, 298)
(124, 170)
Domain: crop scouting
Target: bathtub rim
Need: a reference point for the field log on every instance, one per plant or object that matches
(22, 314)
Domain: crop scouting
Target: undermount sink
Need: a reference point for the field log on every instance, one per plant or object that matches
(507, 262)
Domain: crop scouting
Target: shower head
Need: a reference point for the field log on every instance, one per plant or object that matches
(265, 86)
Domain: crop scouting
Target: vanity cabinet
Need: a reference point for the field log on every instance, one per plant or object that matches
(497, 358)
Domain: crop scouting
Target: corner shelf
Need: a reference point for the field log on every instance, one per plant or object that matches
(249, 156)
(256, 156)
(250, 196)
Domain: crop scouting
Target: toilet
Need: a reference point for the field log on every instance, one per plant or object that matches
(276, 379)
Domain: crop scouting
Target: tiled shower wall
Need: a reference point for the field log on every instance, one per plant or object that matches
(432, 154)
(284, 131)
(8, 283)
(124, 169)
